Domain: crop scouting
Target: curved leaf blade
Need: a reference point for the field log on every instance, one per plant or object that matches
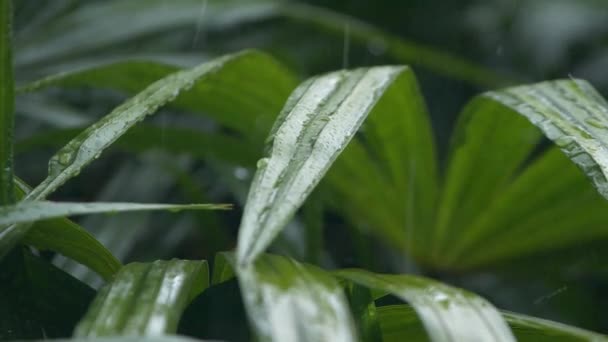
(399, 322)
(448, 314)
(316, 124)
(573, 115)
(32, 211)
(145, 299)
(289, 301)
(520, 208)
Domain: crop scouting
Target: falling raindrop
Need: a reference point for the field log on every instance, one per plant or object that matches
(346, 46)
(199, 23)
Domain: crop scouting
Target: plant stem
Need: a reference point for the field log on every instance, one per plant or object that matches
(7, 104)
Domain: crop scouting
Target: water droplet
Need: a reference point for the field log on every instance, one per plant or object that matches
(64, 158)
(262, 163)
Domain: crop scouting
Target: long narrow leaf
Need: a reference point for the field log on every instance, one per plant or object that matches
(448, 314)
(318, 121)
(32, 211)
(145, 299)
(7, 103)
(67, 238)
(503, 213)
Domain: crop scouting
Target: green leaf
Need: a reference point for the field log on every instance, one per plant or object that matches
(69, 239)
(289, 301)
(448, 314)
(32, 211)
(38, 299)
(87, 146)
(7, 103)
(145, 299)
(400, 322)
(319, 119)
(502, 212)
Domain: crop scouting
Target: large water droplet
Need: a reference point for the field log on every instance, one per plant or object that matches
(262, 163)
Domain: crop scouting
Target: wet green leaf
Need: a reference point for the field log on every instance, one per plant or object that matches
(88, 145)
(509, 207)
(289, 301)
(32, 211)
(145, 299)
(400, 322)
(447, 313)
(318, 121)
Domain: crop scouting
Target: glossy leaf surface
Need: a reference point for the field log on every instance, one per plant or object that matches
(32, 211)
(448, 314)
(289, 301)
(145, 299)
(316, 124)
(399, 322)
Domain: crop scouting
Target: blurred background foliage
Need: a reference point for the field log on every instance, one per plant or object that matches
(507, 41)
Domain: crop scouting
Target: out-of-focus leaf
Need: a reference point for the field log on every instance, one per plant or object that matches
(318, 121)
(526, 212)
(404, 51)
(70, 34)
(145, 299)
(400, 322)
(88, 145)
(145, 137)
(7, 103)
(66, 237)
(38, 299)
(289, 301)
(448, 314)
(32, 211)
(263, 86)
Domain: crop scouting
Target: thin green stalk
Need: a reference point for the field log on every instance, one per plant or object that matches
(7, 104)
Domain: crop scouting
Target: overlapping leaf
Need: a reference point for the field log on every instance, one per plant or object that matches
(144, 299)
(289, 301)
(399, 322)
(447, 313)
(89, 144)
(510, 207)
